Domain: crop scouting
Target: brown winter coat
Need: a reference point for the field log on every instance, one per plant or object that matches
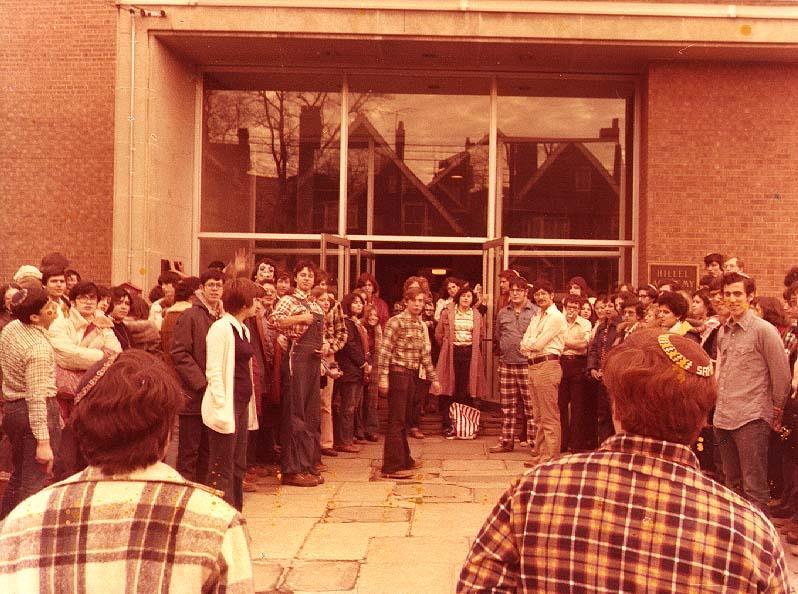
(444, 334)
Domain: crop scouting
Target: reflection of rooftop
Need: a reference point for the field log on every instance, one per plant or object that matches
(360, 132)
(555, 155)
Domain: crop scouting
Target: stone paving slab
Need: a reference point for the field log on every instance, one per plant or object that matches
(476, 478)
(433, 492)
(321, 576)
(368, 514)
(473, 465)
(417, 550)
(517, 466)
(371, 492)
(487, 494)
(455, 519)
(349, 475)
(426, 578)
(267, 575)
(278, 538)
(308, 503)
(346, 541)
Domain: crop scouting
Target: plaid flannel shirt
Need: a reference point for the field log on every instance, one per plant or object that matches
(27, 360)
(404, 344)
(635, 516)
(293, 305)
(335, 327)
(149, 531)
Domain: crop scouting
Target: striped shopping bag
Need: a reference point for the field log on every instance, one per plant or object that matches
(465, 420)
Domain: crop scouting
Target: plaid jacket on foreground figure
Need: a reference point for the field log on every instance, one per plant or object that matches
(635, 516)
(150, 531)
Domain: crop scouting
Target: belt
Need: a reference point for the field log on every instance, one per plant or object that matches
(400, 369)
(541, 358)
(574, 357)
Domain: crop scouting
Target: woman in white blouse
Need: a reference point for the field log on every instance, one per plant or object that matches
(460, 369)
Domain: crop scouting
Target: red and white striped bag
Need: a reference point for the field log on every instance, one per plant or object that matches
(465, 420)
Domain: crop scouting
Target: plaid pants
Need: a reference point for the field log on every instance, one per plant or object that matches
(514, 387)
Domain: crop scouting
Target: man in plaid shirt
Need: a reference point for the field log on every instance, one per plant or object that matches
(402, 352)
(637, 515)
(31, 418)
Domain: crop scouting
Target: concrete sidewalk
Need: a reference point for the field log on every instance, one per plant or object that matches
(360, 534)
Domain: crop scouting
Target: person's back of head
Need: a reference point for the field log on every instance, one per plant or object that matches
(123, 420)
(660, 385)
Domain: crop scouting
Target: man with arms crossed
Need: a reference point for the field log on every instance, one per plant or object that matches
(543, 343)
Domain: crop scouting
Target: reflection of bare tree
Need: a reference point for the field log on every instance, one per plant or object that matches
(293, 138)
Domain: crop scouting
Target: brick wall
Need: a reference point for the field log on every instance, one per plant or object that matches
(721, 166)
(57, 61)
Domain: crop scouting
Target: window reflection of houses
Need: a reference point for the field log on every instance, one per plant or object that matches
(556, 188)
(452, 203)
(560, 189)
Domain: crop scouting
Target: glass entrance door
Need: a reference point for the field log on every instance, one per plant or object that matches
(494, 260)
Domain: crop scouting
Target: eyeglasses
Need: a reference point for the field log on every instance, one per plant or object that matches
(86, 298)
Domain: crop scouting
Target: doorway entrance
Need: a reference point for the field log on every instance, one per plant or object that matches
(393, 270)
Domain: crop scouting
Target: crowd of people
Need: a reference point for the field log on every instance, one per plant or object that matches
(272, 367)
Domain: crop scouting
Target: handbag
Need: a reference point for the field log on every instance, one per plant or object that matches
(465, 420)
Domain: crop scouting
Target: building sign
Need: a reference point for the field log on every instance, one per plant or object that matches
(685, 274)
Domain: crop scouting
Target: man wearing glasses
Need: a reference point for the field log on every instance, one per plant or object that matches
(189, 355)
(511, 323)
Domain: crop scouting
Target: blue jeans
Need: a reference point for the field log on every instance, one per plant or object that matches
(351, 394)
(27, 475)
(744, 455)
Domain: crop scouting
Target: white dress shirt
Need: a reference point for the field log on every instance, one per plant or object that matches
(545, 334)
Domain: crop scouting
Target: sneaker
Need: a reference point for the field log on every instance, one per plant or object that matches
(501, 448)
(450, 434)
(248, 487)
(416, 433)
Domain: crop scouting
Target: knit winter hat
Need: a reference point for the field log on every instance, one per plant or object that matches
(27, 270)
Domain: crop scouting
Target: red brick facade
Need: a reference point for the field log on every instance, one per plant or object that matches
(720, 171)
(58, 61)
(718, 163)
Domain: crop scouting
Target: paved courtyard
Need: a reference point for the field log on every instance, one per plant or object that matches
(360, 534)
